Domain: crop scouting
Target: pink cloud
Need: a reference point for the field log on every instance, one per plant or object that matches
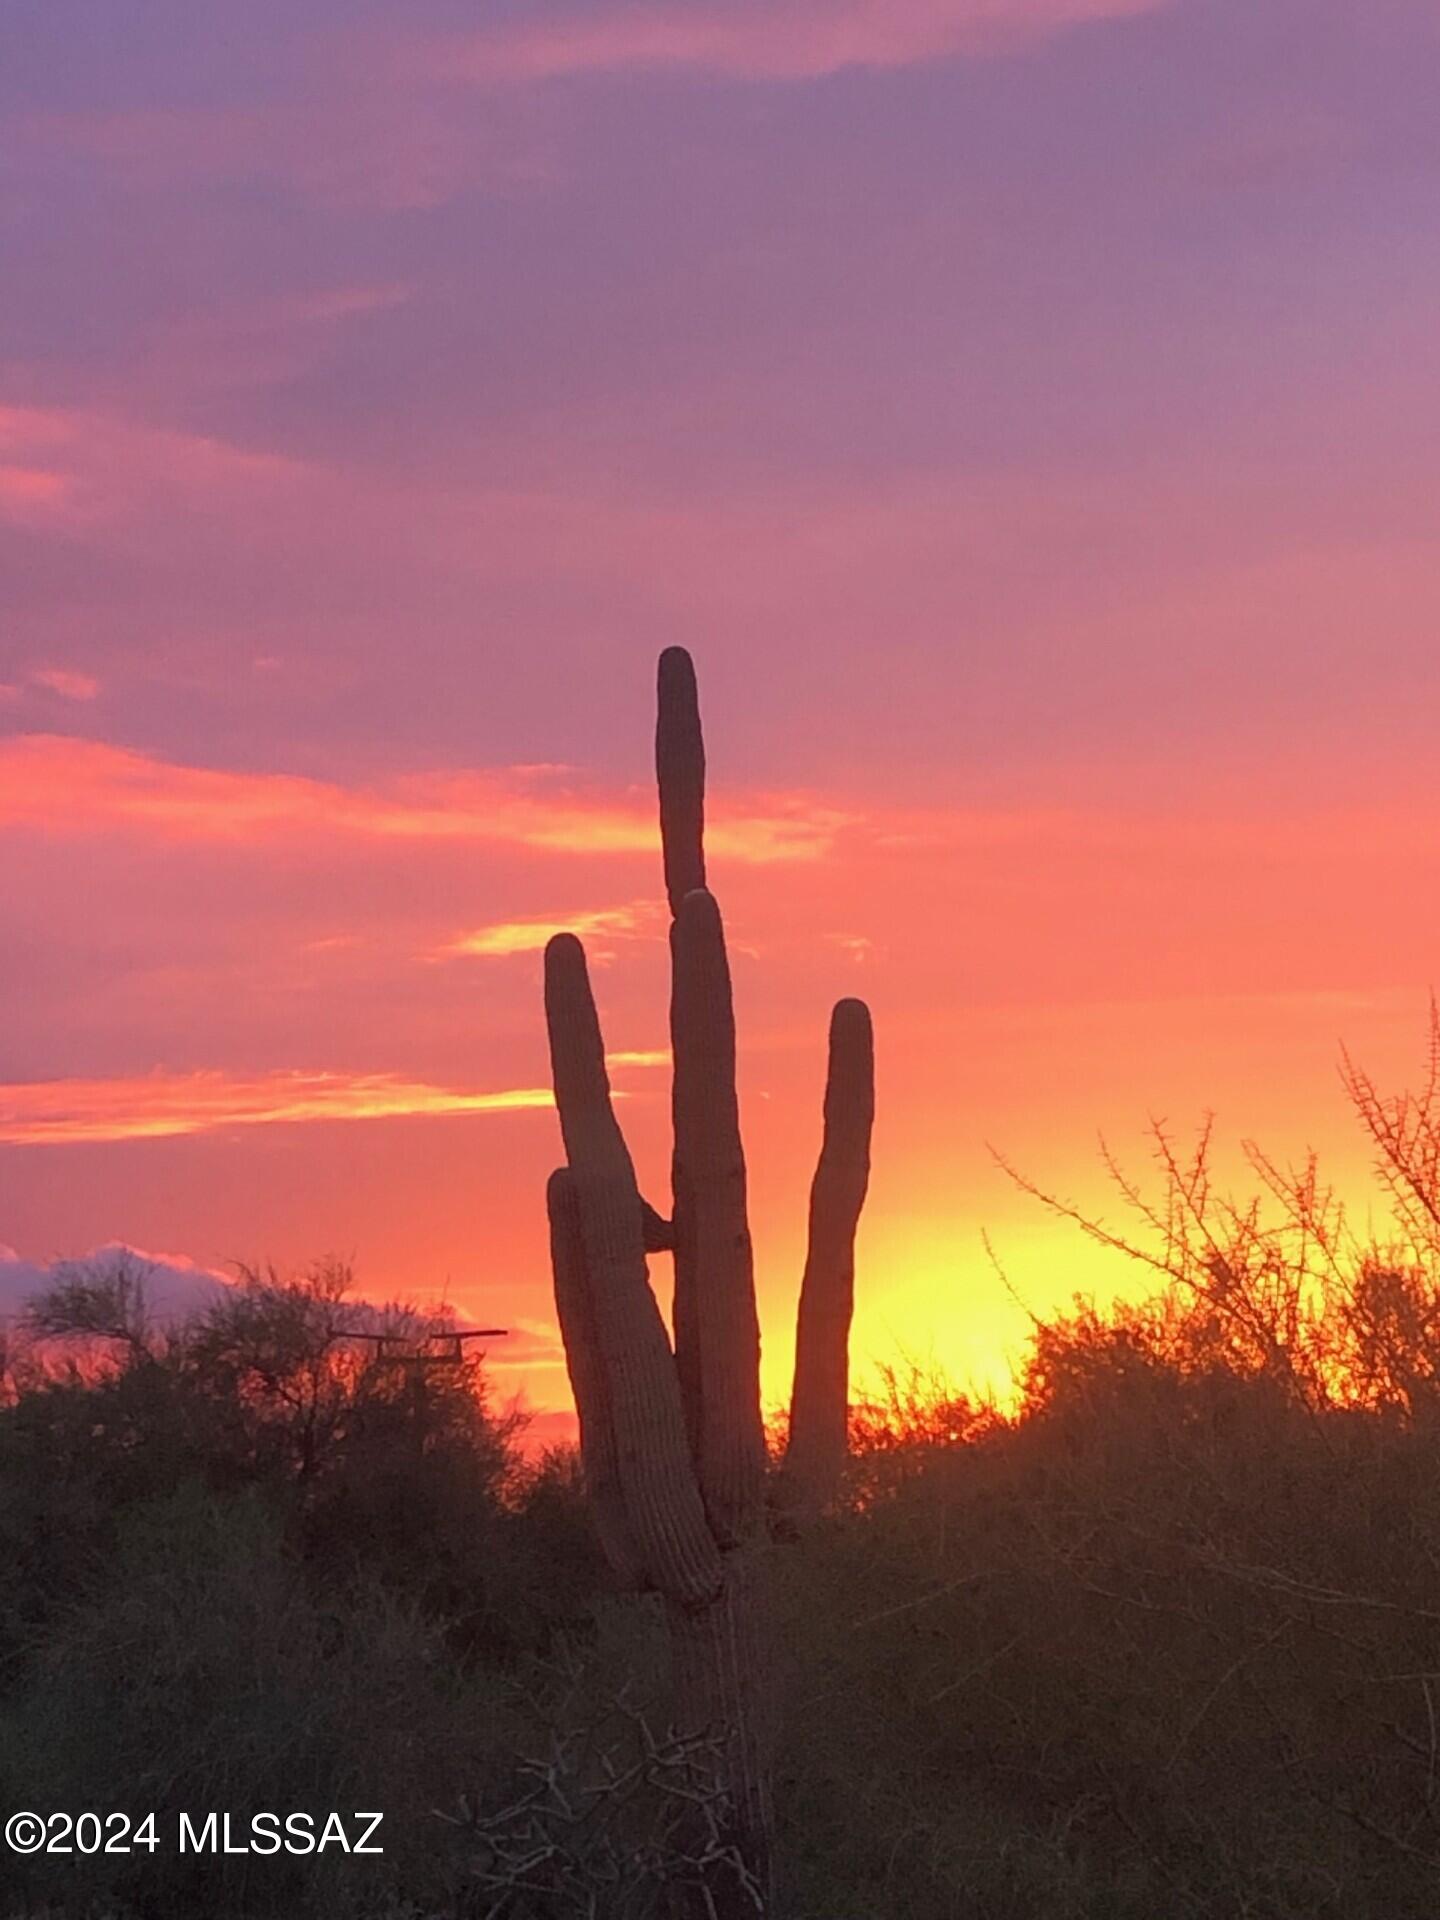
(91, 467)
(68, 684)
(54, 783)
(163, 1105)
(776, 40)
(28, 493)
(55, 786)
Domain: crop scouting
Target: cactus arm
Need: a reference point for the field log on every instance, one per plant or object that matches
(819, 1407)
(667, 1520)
(576, 1313)
(717, 1329)
(680, 772)
(680, 776)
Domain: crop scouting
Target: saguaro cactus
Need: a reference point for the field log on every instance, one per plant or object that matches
(819, 1404)
(680, 775)
(672, 1440)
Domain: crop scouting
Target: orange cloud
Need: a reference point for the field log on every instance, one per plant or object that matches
(530, 936)
(779, 40)
(533, 1346)
(161, 1105)
(54, 783)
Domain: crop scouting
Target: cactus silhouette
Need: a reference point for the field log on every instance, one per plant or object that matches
(820, 1397)
(672, 1439)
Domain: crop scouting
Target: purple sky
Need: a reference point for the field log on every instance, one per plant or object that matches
(1026, 410)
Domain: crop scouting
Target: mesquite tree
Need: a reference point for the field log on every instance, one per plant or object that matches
(672, 1437)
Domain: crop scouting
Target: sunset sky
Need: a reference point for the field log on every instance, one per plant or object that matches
(1026, 411)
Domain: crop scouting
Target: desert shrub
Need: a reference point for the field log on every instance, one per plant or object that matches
(1173, 1649)
(241, 1569)
(202, 1672)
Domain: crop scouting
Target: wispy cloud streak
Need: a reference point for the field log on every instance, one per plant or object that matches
(776, 40)
(164, 1105)
(59, 784)
(508, 937)
(68, 684)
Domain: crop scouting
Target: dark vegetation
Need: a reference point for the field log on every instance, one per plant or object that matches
(1162, 1641)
